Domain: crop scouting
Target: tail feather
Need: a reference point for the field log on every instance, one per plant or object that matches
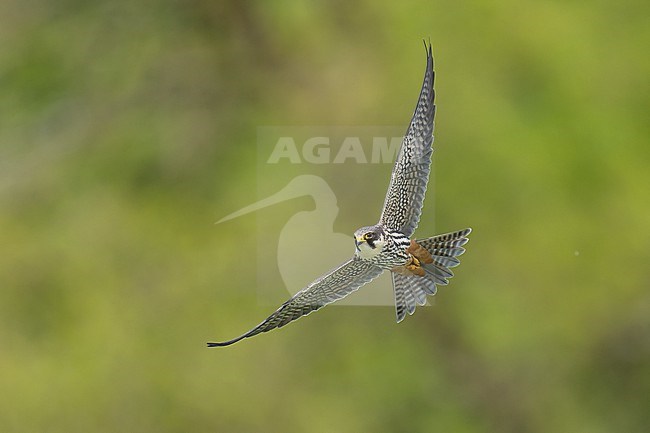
(429, 286)
(410, 300)
(460, 235)
(411, 290)
(448, 262)
(438, 269)
(447, 251)
(420, 295)
(434, 274)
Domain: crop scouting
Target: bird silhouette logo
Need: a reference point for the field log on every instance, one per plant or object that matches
(291, 246)
(417, 266)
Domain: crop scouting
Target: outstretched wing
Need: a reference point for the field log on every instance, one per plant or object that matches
(333, 286)
(408, 182)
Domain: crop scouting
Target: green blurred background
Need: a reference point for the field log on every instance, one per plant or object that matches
(128, 128)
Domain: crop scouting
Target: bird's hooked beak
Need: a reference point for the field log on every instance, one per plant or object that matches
(358, 240)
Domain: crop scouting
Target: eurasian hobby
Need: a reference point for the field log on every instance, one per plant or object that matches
(417, 266)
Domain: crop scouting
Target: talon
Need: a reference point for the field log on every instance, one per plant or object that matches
(413, 264)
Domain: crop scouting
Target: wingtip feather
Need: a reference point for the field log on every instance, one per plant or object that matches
(226, 343)
(222, 344)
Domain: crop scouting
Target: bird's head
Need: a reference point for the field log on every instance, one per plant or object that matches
(369, 241)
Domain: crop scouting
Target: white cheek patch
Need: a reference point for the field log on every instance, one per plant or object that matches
(367, 252)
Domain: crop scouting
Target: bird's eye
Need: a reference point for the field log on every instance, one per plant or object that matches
(369, 235)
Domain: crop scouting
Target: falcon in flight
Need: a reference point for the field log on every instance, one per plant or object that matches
(416, 266)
